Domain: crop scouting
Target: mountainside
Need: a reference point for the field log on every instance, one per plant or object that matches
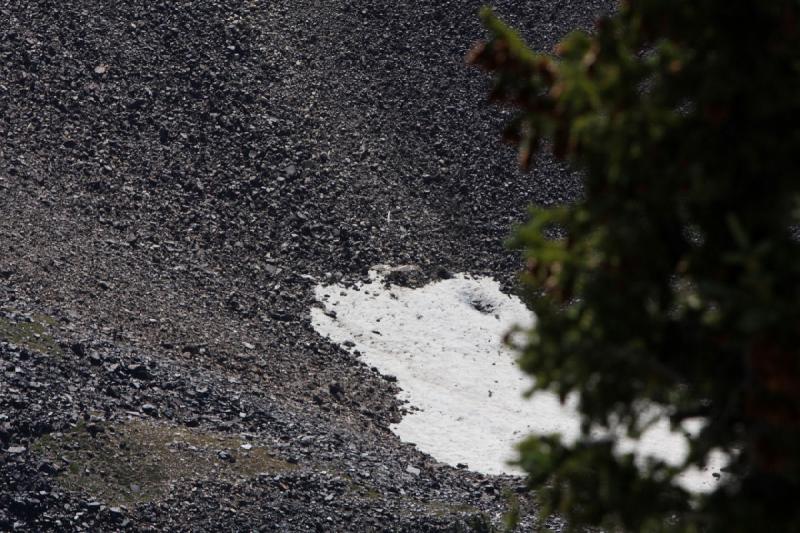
(175, 177)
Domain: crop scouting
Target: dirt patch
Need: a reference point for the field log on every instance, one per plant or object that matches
(141, 460)
(31, 334)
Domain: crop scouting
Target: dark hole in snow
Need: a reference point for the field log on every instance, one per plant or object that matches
(483, 307)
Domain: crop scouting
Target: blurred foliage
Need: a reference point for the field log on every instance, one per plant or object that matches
(676, 282)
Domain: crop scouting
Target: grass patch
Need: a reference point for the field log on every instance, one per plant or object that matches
(30, 335)
(140, 460)
(433, 508)
(372, 494)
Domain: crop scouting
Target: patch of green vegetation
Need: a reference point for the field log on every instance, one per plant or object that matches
(434, 508)
(357, 488)
(45, 319)
(139, 460)
(371, 494)
(30, 335)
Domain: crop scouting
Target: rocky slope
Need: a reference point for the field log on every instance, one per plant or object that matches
(174, 179)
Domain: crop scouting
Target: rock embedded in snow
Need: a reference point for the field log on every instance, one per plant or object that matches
(443, 342)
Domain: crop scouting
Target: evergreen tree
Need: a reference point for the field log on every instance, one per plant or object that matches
(675, 281)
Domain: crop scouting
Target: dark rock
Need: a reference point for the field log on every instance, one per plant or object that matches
(227, 457)
(78, 349)
(93, 428)
(281, 316)
(138, 371)
(335, 388)
(94, 506)
(26, 506)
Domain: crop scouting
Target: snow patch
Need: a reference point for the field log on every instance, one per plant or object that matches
(443, 342)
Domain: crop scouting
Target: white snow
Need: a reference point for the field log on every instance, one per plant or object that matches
(443, 342)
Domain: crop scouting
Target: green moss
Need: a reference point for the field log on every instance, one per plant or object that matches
(372, 494)
(138, 461)
(434, 508)
(33, 335)
(45, 319)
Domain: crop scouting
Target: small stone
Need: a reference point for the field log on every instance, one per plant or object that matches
(225, 456)
(247, 446)
(138, 371)
(414, 471)
(280, 315)
(149, 409)
(249, 346)
(93, 428)
(94, 506)
(78, 349)
(16, 450)
(46, 467)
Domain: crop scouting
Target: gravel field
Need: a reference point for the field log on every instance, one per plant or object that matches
(175, 178)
